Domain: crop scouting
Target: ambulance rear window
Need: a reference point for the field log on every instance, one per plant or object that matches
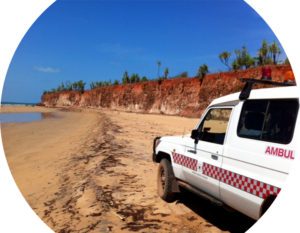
(268, 120)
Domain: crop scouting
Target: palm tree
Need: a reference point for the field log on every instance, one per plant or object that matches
(158, 64)
(93, 85)
(238, 53)
(236, 64)
(263, 53)
(203, 70)
(243, 59)
(80, 85)
(275, 52)
(287, 62)
(69, 86)
(247, 61)
(224, 57)
(144, 79)
(125, 78)
(166, 72)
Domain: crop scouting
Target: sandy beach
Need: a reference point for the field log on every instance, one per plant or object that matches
(24, 108)
(91, 170)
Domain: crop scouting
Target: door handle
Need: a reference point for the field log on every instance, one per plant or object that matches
(192, 151)
(215, 157)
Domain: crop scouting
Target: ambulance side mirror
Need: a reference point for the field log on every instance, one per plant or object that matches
(195, 135)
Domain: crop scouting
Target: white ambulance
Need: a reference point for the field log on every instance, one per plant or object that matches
(240, 152)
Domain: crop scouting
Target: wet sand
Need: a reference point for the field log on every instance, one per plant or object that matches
(24, 108)
(91, 171)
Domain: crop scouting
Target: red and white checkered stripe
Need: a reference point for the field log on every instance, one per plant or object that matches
(244, 183)
(185, 161)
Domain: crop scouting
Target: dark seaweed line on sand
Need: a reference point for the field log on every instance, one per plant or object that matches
(104, 153)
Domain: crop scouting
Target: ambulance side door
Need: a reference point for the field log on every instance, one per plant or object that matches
(204, 156)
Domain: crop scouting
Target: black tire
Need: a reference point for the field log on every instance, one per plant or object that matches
(165, 178)
(267, 203)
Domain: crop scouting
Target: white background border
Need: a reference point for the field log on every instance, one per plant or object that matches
(16, 16)
(283, 17)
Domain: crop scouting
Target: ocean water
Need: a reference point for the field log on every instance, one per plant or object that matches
(24, 117)
(16, 103)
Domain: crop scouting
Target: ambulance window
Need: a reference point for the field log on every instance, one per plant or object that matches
(213, 127)
(252, 119)
(269, 120)
(280, 121)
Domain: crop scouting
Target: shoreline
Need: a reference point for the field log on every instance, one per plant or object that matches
(24, 109)
(28, 108)
(24, 114)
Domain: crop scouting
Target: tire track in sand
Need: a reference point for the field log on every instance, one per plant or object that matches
(85, 200)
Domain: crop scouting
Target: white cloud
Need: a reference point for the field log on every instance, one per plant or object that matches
(46, 69)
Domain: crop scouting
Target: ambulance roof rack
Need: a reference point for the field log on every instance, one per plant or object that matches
(245, 93)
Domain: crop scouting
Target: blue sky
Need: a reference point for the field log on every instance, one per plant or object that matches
(99, 40)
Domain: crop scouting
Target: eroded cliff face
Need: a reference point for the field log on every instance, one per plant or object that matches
(182, 96)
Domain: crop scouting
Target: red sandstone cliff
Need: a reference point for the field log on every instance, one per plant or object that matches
(182, 96)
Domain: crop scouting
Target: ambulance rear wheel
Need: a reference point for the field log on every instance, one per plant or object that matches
(165, 179)
(267, 203)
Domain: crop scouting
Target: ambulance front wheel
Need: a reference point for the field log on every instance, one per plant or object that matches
(165, 179)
